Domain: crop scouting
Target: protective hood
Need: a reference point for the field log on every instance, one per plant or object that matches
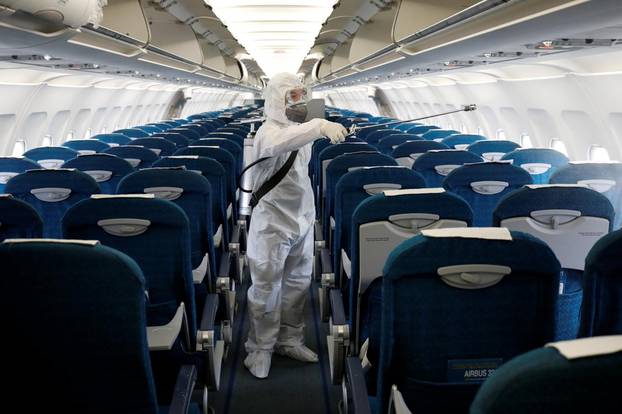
(274, 95)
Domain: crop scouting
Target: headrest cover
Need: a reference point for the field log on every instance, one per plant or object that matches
(60, 241)
(536, 186)
(105, 196)
(391, 193)
(488, 233)
(588, 347)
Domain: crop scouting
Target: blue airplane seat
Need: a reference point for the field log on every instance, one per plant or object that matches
(570, 220)
(138, 156)
(132, 132)
(456, 304)
(438, 134)
(86, 146)
(160, 146)
(483, 184)
(601, 309)
(568, 377)
(462, 141)
(113, 139)
(106, 169)
(50, 157)
(406, 154)
(92, 299)
(18, 219)
(539, 162)
(387, 144)
(605, 177)
(492, 150)
(12, 166)
(435, 165)
(52, 193)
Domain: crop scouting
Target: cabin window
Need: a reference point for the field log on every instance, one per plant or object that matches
(525, 141)
(501, 134)
(19, 148)
(558, 145)
(47, 141)
(597, 153)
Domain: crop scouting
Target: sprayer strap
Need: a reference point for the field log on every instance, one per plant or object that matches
(274, 180)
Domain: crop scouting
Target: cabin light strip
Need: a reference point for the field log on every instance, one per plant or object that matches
(278, 34)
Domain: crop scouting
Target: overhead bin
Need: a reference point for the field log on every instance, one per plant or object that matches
(69, 13)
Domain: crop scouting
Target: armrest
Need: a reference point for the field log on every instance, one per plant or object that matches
(208, 316)
(328, 276)
(207, 342)
(182, 395)
(338, 314)
(338, 339)
(319, 235)
(355, 380)
(225, 265)
(162, 337)
(225, 284)
(234, 243)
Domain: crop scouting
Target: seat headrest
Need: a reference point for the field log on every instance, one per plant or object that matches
(487, 233)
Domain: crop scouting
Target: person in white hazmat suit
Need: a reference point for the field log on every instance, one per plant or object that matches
(280, 241)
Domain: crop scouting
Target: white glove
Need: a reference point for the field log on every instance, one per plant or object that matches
(333, 131)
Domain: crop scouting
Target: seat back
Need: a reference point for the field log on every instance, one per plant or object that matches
(570, 219)
(113, 139)
(86, 146)
(191, 134)
(150, 129)
(606, 178)
(601, 310)
(50, 157)
(51, 193)
(539, 162)
(176, 138)
(93, 302)
(387, 144)
(138, 156)
(492, 150)
(374, 137)
(590, 367)
(18, 219)
(215, 174)
(232, 136)
(379, 224)
(12, 166)
(406, 154)
(435, 165)
(226, 144)
(160, 146)
(153, 232)
(421, 129)
(483, 184)
(106, 169)
(337, 168)
(462, 141)
(226, 159)
(190, 191)
(132, 132)
(456, 304)
(438, 134)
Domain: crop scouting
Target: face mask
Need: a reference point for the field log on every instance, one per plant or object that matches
(297, 112)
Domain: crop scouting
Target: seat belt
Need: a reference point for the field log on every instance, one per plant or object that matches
(272, 181)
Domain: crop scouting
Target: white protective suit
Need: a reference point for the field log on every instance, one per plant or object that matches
(280, 246)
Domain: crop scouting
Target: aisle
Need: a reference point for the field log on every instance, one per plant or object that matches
(292, 386)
